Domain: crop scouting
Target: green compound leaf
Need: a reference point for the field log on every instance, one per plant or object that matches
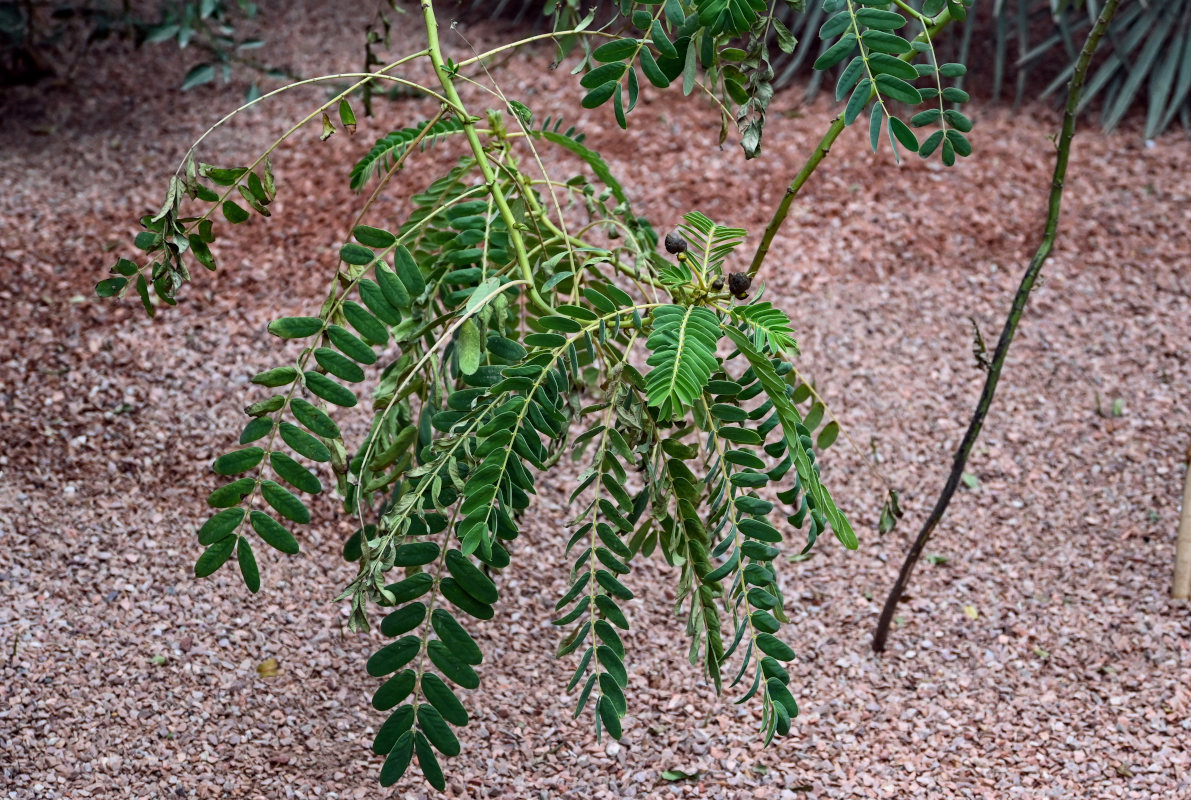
(682, 354)
(775, 388)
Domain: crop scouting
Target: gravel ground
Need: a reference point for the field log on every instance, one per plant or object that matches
(1037, 656)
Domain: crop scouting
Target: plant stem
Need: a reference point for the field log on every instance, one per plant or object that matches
(1015, 311)
(445, 77)
(821, 151)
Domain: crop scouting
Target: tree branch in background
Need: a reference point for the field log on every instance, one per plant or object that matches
(881, 634)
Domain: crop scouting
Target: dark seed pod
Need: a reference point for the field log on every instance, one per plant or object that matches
(717, 284)
(738, 285)
(675, 244)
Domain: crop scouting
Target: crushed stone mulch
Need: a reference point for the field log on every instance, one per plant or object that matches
(1037, 655)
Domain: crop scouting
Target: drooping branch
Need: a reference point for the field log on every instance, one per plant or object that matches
(881, 634)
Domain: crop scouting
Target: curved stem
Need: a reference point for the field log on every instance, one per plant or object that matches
(821, 150)
(881, 634)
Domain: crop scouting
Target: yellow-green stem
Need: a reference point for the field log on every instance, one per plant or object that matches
(473, 139)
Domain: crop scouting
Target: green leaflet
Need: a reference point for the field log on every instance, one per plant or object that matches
(443, 699)
(468, 347)
(214, 557)
(284, 502)
(393, 657)
(788, 414)
(398, 760)
(394, 690)
(457, 640)
(295, 327)
(328, 390)
(273, 532)
(470, 578)
(314, 418)
(238, 461)
(338, 365)
(429, 763)
(248, 568)
(221, 524)
(294, 473)
(437, 730)
(303, 443)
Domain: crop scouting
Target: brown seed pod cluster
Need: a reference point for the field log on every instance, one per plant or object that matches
(738, 285)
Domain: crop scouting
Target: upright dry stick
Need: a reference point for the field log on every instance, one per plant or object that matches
(1019, 303)
(1180, 588)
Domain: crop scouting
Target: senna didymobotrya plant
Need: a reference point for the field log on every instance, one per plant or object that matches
(513, 318)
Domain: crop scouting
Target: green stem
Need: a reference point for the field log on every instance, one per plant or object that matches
(445, 77)
(821, 150)
(881, 634)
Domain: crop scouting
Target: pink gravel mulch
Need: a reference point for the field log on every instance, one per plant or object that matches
(1073, 679)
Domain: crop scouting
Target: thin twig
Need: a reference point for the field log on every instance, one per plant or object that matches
(1019, 303)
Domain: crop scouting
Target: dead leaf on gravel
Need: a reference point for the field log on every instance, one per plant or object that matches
(267, 668)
